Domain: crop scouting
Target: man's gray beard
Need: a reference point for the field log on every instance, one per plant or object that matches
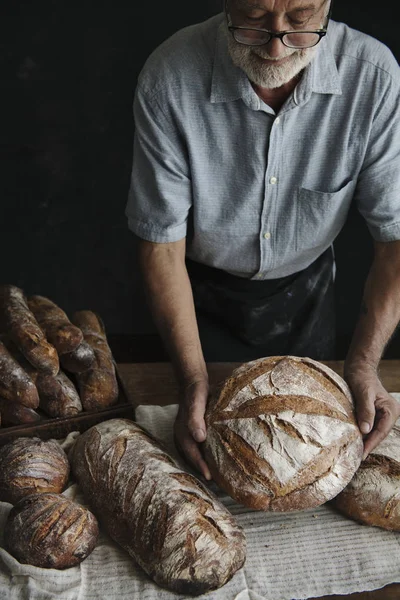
(269, 76)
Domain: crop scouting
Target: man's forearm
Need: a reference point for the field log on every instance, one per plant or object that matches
(170, 299)
(380, 312)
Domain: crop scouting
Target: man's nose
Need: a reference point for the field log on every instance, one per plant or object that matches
(275, 48)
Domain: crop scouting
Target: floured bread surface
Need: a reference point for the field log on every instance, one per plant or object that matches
(373, 495)
(282, 434)
(175, 529)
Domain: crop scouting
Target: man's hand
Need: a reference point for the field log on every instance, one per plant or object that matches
(377, 411)
(190, 427)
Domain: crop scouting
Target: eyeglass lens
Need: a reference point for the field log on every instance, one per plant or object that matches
(293, 40)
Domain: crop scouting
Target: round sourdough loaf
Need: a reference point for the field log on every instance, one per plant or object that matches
(30, 466)
(282, 434)
(373, 495)
(50, 531)
(171, 524)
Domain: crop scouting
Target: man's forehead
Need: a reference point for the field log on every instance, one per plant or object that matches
(280, 5)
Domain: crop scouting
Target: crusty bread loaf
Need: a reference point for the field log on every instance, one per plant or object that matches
(79, 360)
(15, 384)
(50, 531)
(57, 394)
(282, 434)
(373, 495)
(19, 323)
(29, 466)
(14, 413)
(98, 386)
(175, 529)
(55, 323)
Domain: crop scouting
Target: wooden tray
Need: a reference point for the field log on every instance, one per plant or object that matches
(59, 428)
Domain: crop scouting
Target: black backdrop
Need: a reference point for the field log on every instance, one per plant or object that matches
(69, 73)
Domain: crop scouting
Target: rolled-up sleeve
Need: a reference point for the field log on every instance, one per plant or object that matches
(378, 190)
(160, 189)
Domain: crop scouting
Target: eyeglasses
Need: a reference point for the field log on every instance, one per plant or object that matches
(250, 36)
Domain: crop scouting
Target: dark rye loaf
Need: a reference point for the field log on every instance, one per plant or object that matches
(282, 434)
(174, 528)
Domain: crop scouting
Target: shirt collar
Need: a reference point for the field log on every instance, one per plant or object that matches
(231, 83)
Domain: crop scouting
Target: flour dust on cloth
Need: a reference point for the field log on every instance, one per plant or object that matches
(290, 556)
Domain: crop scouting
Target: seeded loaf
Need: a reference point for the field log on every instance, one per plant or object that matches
(173, 527)
(373, 495)
(282, 434)
(50, 531)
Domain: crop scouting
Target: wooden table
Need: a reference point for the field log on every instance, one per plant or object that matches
(154, 383)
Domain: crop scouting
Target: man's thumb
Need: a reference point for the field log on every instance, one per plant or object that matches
(196, 424)
(366, 415)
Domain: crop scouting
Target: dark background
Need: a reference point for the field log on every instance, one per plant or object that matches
(68, 76)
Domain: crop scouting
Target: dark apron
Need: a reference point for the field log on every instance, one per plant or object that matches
(289, 315)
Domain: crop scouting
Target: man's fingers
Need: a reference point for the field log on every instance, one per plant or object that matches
(365, 408)
(384, 421)
(192, 453)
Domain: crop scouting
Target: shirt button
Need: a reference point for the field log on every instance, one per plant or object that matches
(277, 121)
(260, 275)
(267, 235)
(273, 180)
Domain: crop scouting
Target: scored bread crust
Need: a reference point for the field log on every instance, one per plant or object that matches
(171, 524)
(50, 531)
(19, 323)
(282, 434)
(55, 323)
(97, 385)
(373, 495)
(29, 465)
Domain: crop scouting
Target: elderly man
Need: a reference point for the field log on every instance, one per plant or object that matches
(254, 132)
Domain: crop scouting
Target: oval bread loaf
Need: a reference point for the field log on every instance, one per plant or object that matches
(31, 465)
(282, 434)
(50, 531)
(373, 495)
(175, 529)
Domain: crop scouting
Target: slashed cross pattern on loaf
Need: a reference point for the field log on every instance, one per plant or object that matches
(282, 434)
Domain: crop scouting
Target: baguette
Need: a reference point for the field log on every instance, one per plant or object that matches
(58, 396)
(14, 413)
(19, 323)
(15, 384)
(54, 322)
(172, 525)
(79, 360)
(98, 386)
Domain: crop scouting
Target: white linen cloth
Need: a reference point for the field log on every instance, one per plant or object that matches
(290, 556)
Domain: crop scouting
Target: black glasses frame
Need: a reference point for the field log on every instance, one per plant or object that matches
(281, 35)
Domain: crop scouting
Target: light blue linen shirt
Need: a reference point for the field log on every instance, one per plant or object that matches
(259, 194)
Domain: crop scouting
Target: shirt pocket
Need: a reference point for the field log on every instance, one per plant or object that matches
(321, 215)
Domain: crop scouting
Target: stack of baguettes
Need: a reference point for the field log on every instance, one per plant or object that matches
(51, 365)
